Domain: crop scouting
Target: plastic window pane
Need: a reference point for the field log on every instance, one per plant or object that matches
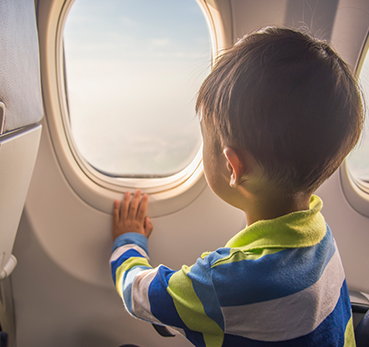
(133, 69)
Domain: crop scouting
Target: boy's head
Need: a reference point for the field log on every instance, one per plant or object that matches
(287, 99)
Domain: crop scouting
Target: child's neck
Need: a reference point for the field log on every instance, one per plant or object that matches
(270, 207)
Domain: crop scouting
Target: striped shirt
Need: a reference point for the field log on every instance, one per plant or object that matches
(276, 283)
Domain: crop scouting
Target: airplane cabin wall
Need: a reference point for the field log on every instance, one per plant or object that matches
(62, 287)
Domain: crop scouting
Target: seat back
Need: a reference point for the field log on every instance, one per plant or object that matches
(20, 110)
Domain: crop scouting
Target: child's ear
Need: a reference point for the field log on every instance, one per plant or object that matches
(234, 165)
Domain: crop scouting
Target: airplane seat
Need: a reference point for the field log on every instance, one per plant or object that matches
(20, 112)
(362, 332)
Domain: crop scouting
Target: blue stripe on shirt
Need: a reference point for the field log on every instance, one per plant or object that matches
(195, 337)
(290, 271)
(118, 262)
(163, 308)
(161, 303)
(200, 276)
(131, 238)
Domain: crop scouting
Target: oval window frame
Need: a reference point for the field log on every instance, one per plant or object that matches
(356, 191)
(168, 194)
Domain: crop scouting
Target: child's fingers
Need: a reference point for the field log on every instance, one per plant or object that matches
(134, 205)
(141, 213)
(148, 227)
(125, 205)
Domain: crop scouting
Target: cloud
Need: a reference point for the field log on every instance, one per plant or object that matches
(160, 42)
(129, 22)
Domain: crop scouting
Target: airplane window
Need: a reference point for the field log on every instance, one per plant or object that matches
(132, 72)
(358, 160)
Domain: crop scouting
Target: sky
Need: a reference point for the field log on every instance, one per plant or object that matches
(133, 69)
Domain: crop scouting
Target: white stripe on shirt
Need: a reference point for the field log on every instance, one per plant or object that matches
(291, 316)
(122, 249)
(140, 295)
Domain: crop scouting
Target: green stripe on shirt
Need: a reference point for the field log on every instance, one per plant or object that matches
(237, 254)
(191, 310)
(297, 229)
(125, 266)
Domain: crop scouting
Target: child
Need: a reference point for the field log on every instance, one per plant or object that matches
(279, 113)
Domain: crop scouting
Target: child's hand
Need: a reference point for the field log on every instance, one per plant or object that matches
(131, 217)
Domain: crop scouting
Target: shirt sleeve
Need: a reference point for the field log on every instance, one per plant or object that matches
(183, 299)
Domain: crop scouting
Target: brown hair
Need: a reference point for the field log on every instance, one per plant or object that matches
(289, 100)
